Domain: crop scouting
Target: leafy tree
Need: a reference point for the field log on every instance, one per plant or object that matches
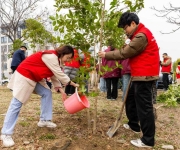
(36, 33)
(13, 13)
(171, 13)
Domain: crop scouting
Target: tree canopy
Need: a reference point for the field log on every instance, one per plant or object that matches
(81, 24)
(36, 33)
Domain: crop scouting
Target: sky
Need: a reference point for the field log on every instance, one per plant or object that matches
(168, 43)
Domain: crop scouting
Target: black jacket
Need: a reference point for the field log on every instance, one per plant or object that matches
(18, 57)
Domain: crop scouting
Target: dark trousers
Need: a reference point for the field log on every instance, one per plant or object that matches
(112, 93)
(165, 80)
(13, 68)
(69, 89)
(154, 91)
(139, 108)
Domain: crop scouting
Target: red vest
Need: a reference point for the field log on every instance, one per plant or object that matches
(34, 68)
(147, 62)
(178, 75)
(75, 62)
(87, 60)
(166, 68)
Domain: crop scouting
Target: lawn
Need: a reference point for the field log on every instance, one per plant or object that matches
(73, 132)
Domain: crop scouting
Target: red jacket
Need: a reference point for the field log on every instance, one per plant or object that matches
(75, 62)
(34, 68)
(166, 68)
(111, 64)
(178, 75)
(147, 62)
(125, 67)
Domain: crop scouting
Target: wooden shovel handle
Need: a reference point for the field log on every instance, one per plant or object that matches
(125, 98)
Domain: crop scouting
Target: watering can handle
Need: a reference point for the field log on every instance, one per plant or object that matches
(76, 90)
(79, 99)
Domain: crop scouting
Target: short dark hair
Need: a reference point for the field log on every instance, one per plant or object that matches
(24, 47)
(126, 19)
(64, 50)
(178, 63)
(165, 54)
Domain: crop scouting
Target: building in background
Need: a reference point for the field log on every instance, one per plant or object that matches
(6, 48)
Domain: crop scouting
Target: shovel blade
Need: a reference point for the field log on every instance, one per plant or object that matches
(113, 128)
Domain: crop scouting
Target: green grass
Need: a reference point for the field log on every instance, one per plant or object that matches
(24, 124)
(47, 136)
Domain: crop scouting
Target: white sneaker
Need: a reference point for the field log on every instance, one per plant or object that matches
(126, 126)
(7, 140)
(49, 124)
(139, 143)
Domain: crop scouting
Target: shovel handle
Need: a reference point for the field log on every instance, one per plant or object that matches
(125, 98)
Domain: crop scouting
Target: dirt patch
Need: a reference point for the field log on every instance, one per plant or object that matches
(73, 133)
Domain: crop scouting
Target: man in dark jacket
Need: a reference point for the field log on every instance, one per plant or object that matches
(143, 54)
(18, 57)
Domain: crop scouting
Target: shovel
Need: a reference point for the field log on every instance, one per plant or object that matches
(117, 123)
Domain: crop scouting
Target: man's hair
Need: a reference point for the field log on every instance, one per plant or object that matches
(178, 63)
(126, 19)
(165, 54)
(24, 47)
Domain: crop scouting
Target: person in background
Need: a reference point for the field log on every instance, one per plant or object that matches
(30, 76)
(178, 74)
(18, 57)
(102, 82)
(71, 69)
(166, 69)
(143, 54)
(126, 75)
(10, 71)
(111, 77)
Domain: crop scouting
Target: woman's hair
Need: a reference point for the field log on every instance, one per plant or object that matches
(126, 19)
(64, 50)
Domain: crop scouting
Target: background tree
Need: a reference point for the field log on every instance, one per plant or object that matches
(36, 34)
(172, 15)
(13, 13)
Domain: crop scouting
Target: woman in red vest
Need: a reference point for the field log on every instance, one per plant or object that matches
(143, 54)
(178, 74)
(30, 76)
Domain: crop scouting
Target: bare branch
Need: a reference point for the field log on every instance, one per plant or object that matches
(172, 15)
(171, 31)
(13, 13)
